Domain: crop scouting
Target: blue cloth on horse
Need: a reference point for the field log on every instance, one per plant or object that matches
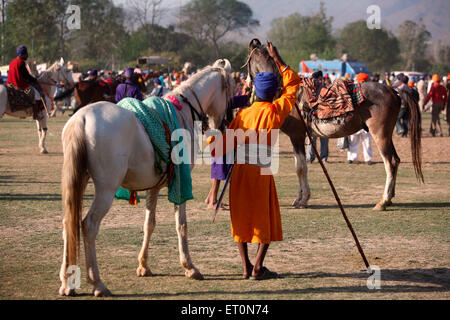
(150, 112)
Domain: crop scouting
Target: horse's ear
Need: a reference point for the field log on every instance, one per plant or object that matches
(227, 65)
(255, 43)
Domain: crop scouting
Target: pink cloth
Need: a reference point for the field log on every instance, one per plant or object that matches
(175, 102)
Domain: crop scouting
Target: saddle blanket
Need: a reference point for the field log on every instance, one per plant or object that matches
(335, 101)
(24, 100)
(20, 99)
(158, 116)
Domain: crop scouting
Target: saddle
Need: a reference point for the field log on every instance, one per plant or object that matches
(333, 102)
(23, 100)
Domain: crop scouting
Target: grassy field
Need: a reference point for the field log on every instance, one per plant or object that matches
(318, 259)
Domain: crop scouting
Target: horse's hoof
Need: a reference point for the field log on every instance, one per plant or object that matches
(379, 207)
(44, 151)
(63, 291)
(194, 274)
(299, 205)
(389, 203)
(102, 292)
(144, 272)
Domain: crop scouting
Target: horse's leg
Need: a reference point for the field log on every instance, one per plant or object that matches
(391, 163)
(102, 202)
(304, 193)
(185, 259)
(42, 132)
(149, 225)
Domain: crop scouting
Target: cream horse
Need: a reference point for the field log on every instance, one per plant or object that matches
(110, 145)
(47, 79)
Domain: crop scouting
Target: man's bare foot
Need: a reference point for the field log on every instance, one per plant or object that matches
(247, 271)
(212, 205)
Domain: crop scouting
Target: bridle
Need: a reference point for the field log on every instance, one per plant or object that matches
(201, 115)
(194, 112)
(249, 71)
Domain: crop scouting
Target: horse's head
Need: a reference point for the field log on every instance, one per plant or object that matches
(60, 73)
(259, 60)
(222, 112)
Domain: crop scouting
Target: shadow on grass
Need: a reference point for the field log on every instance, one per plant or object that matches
(439, 277)
(36, 197)
(416, 205)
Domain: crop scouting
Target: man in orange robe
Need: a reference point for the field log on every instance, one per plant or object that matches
(254, 208)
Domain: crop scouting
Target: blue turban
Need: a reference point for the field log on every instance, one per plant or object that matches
(93, 72)
(157, 81)
(266, 84)
(21, 50)
(128, 72)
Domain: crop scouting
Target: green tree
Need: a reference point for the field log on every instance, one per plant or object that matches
(378, 48)
(299, 36)
(413, 38)
(101, 35)
(211, 20)
(31, 23)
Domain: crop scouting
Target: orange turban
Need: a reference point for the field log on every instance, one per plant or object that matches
(411, 84)
(361, 77)
(436, 78)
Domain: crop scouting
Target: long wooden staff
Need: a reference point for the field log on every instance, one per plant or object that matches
(333, 189)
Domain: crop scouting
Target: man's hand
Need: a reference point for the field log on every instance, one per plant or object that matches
(273, 52)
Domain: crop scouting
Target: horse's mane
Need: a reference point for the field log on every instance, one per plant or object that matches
(186, 84)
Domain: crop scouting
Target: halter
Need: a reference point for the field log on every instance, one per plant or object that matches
(247, 64)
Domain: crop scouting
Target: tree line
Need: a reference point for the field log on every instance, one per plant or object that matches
(112, 36)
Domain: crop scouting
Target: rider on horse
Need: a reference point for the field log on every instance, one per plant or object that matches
(20, 79)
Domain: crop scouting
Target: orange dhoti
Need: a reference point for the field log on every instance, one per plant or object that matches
(255, 212)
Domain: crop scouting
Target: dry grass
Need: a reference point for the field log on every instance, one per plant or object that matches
(317, 259)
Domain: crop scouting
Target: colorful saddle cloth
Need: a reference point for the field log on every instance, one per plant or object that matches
(337, 100)
(159, 119)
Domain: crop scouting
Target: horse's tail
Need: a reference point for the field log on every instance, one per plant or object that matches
(74, 181)
(415, 122)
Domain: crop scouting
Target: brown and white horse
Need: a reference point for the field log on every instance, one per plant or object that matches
(379, 112)
(110, 145)
(48, 80)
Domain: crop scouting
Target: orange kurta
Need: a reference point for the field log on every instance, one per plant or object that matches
(254, 208)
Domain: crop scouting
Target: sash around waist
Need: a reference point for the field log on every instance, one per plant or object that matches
(255, 154)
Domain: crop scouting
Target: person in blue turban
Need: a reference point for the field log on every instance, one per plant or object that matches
(159, 90)
(128, 89)
(266, 84)
(92, 76)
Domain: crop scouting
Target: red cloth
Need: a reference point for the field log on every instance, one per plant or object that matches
(14, 76)
(437, 94)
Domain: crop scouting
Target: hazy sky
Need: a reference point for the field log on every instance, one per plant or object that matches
(433, 12)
